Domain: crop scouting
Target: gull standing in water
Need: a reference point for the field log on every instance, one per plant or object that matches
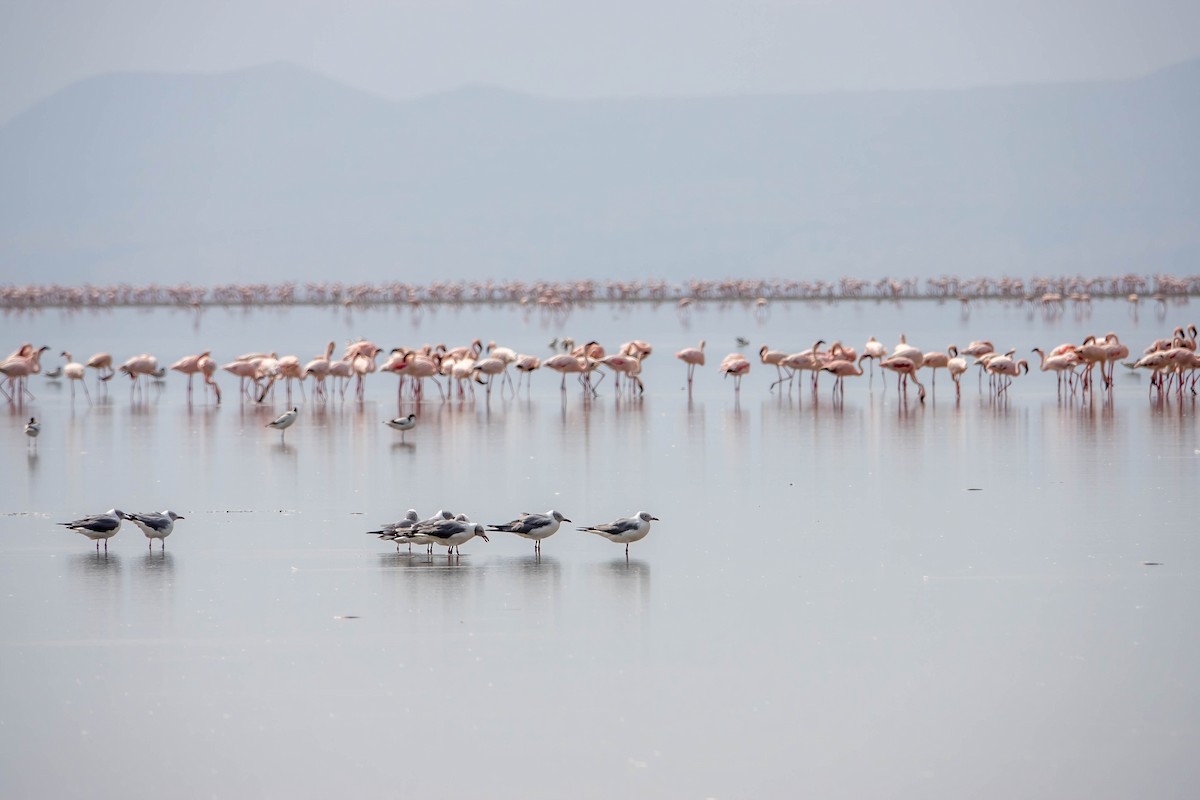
(533, 526)
(624, 530)
(394, 531)
(450, 533)
(155, 525)
(101, 527)
(284, 421)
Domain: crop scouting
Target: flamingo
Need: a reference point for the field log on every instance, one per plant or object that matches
(74, 371)
(17, 368)
(526, 364)
(102, 363)
(190, 366)
(693, 357)
(842, 369)
(629, 366)
(1066, 362)
(1115, 351)
(135, 366)
(1006, 369)
(956, 366)
(735, 364)
(935, 360)
(904, 368)
(772, 358)
(318, 367)
(810, 360)
(491, 367)
(565, 364)
(875, 351)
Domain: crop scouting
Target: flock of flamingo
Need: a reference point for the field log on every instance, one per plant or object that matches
(455, 371)
(562, 294)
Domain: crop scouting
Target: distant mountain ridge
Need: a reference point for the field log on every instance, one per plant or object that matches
(275, 173)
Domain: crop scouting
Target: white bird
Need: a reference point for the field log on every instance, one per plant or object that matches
(449, 533)
(393, 530)
(624, 530)
(101, 527)
(402, 424)
(533, 526)
(284, 421)
(155, 525)
(32, 429)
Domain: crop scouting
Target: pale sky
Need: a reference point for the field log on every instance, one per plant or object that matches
(569, 48)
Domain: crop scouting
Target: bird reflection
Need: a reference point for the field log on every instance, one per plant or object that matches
(93, 563)
(158, 563)
(629, 580)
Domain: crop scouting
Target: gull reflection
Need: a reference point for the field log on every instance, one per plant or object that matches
(627, 583)
(100, 583)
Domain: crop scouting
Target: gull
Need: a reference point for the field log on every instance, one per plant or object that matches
(624, 530)
(413, 536)
(450, 533)
(533, 526)
(101, 527)
(284, 421)
(391, 531)
(402, 424)
(32, 429)
(155, 525)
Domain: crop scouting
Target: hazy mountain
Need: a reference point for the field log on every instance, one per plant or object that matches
(276, 173)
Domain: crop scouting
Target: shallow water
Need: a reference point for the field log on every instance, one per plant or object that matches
(875, 598)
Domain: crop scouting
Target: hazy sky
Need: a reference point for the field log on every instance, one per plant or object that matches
(406, 48)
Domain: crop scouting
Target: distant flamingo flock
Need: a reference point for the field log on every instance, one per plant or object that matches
(1053, 293)
(1085, 367)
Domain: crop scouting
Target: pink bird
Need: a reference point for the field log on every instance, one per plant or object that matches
(526, 365)
(565, 364)
(74, 371)
(693, 357)
(190, 366)
(735, 364)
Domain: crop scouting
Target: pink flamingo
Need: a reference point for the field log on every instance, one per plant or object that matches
(16, 370)
(875, 351)
(905, 368)
(318, 368)
(772, 358)
(363, 363)
(935, 360)
(1006, 369)
(190, 366)
(629, 366)
(956, 366)
(842, 369)
(809, 360)
(735, 364)
(103, 364)
(136, 366)
(491, 367)
(1059, 364)
(693, 357)
(525, 365)
(244, 370)
(565, 364)
(74, 371)
(419, 367)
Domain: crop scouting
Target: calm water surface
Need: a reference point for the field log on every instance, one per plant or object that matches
(872, 599)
